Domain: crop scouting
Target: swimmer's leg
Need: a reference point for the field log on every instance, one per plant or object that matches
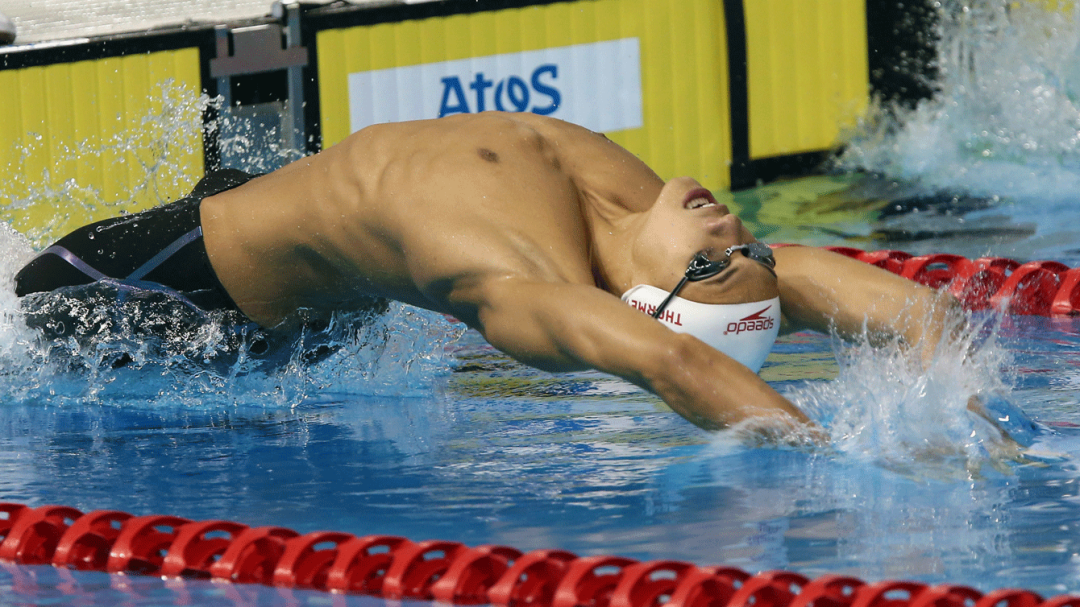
(47, 273)
(114, 248)
(162, 245)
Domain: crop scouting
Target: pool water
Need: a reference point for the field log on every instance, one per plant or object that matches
(416, 427)
(493, 452)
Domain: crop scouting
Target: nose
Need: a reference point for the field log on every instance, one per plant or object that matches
(725, 224)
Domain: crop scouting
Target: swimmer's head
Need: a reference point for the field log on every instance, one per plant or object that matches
(686, 228)
(744, 331)
(686, 220)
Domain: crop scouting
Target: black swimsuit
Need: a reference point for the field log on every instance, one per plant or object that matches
(147, 275)
(158, 249)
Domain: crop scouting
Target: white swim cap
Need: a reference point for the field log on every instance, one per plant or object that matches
(745, 332)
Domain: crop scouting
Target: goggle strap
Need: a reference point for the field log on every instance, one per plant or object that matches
(664, 304)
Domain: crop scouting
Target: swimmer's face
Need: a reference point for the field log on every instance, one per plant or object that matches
(684, 220)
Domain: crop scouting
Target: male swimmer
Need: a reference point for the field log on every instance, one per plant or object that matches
(561, 248)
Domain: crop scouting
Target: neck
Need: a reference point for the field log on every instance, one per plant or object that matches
(610, 253)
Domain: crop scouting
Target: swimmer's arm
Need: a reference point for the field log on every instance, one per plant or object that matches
(826, 291)
(821, 290)
(563, 327)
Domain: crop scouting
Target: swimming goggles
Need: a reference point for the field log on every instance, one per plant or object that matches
(701, 267)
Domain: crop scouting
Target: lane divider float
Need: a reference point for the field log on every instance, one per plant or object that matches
(449, 572)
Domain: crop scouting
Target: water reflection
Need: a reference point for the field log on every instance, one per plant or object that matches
(45, 585)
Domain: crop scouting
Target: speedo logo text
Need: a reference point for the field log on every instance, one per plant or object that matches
(753, 322)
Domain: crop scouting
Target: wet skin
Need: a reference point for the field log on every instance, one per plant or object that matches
(529, 229)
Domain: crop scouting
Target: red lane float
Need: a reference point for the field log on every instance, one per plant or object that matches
(648, 584)
(1035, 288)
(194, 550)
(253, 556)
(87, 543)
(34, 534)
(472, 574)
(361, 564)
(532, 579)
(142, 543)
(447, 572)
(708, 587)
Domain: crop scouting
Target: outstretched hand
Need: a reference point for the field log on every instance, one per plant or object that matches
(1006, 417)
(781, 431)
(1017, 431)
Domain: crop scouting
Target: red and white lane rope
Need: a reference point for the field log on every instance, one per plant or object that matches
(448, 572)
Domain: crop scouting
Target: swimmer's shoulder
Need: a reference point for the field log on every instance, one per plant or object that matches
(491, 126)
(557, 130)
(498, 124)
(494, 137)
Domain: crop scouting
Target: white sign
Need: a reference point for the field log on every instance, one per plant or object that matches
(597, 86)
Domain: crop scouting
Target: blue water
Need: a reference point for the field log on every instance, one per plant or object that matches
(416, 427)
(497, 453)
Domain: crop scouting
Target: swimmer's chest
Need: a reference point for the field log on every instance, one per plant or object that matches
(490, 183)
(490, 210)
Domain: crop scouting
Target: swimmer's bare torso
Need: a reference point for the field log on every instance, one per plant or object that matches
(528, 229)
(418, 212)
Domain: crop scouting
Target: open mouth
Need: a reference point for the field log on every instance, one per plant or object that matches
(699, 198)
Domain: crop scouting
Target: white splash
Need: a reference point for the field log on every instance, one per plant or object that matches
(886, 408)
(156, 155)
(399, 352)
(1006, 118)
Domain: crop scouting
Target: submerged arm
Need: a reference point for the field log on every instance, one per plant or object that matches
(561, 327)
